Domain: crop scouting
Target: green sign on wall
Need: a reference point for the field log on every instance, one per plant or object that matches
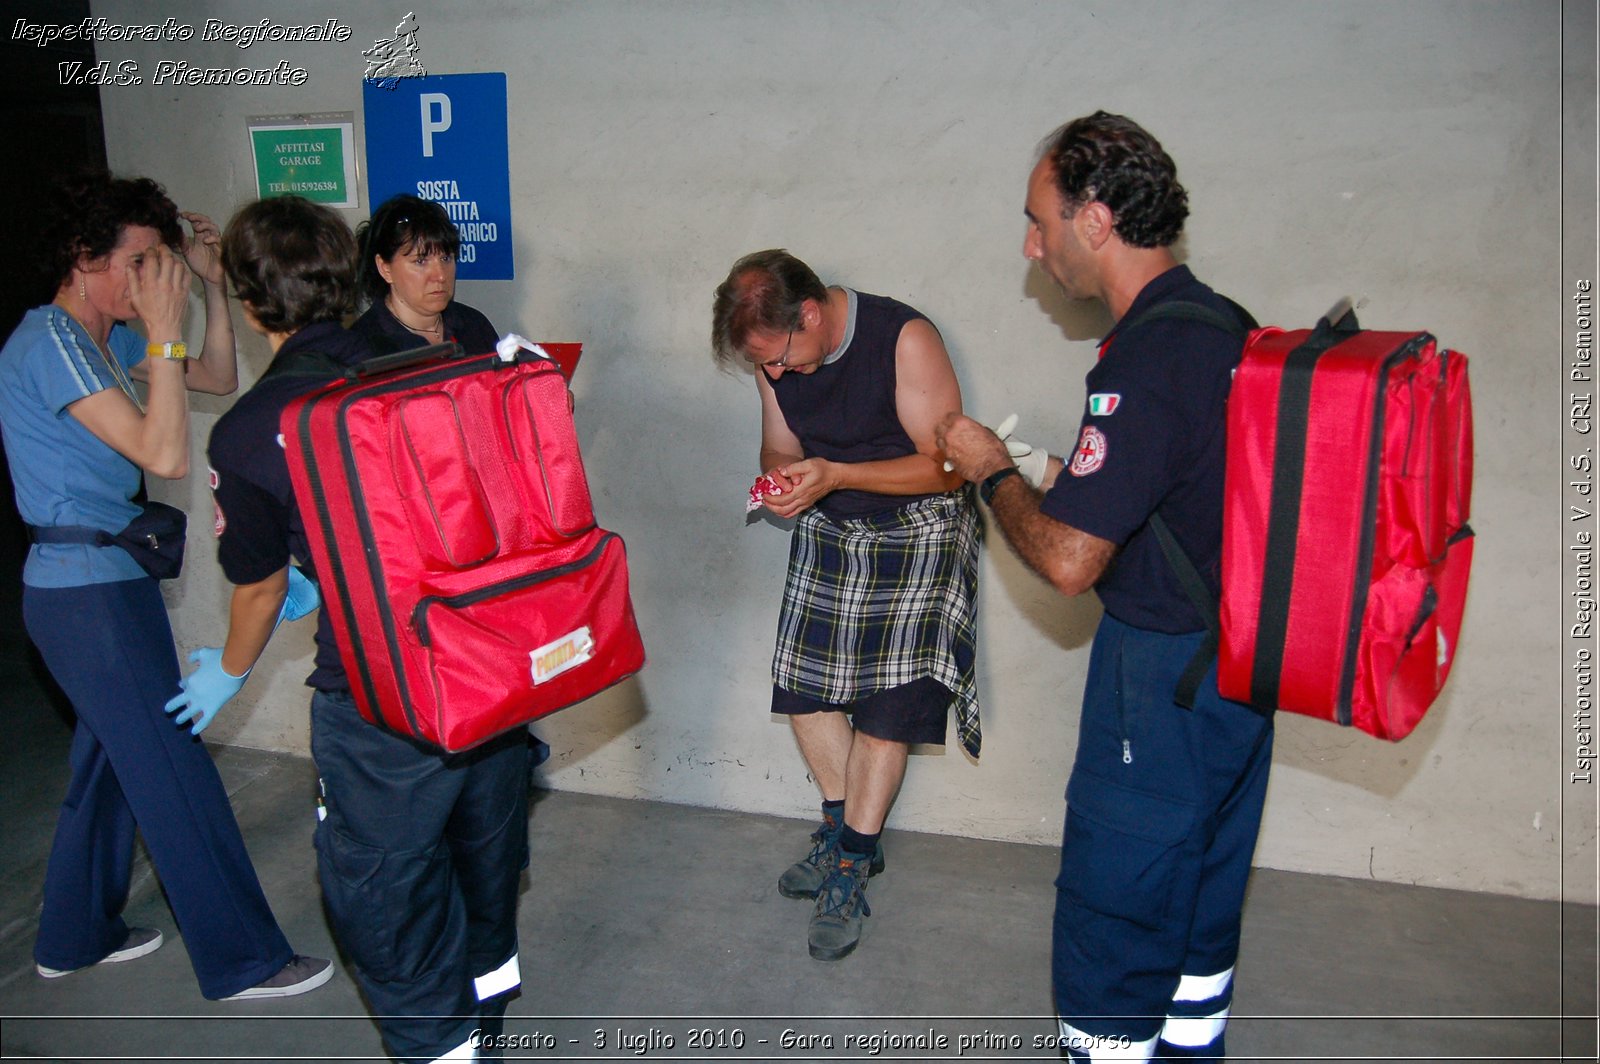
(304, 159)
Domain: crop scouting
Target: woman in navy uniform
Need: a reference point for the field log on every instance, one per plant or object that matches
(420, 853)
(408, 271)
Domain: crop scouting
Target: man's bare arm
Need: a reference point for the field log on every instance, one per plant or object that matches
(925, 391)
(1071, 559)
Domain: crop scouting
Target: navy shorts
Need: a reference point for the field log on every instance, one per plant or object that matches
(915, 712)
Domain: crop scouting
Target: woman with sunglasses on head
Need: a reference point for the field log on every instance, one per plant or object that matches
(79, 438)
(408, 270)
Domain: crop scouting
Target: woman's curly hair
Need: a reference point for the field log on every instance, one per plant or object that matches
(84, 216)
(1110, 159)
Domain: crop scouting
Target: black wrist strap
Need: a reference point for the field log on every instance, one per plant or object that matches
(991, 482)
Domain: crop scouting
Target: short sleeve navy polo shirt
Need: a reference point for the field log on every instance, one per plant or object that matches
(258, 525)
(1152, 438)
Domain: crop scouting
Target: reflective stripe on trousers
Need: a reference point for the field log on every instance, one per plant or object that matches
(1185, 1030)
(1199, 1012)
(500, 980)
(1095, 1048)
(464, 1051)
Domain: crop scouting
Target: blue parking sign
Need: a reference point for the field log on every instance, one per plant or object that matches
(443, 138)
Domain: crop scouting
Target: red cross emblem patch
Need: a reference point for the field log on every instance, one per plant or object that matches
(1091, 452)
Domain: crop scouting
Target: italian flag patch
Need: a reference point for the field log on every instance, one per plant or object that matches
(1104, 403)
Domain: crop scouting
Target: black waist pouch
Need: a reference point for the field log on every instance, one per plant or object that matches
(155, 538)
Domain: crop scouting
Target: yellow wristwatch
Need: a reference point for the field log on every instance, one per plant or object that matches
(174, 349)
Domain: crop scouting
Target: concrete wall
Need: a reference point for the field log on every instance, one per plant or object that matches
(1407, 154)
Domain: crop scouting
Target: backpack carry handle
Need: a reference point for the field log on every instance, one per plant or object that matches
(1340, 320)
(418, 356)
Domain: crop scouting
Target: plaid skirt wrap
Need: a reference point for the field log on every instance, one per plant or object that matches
(876, 602)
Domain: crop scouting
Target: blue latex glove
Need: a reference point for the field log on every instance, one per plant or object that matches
(205, 690)
(301, 599)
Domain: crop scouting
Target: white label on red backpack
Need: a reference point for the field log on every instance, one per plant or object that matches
(1091, 452)
(568, 652)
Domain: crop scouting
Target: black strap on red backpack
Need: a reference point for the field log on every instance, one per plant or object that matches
(1338, 325)
(1194, 586)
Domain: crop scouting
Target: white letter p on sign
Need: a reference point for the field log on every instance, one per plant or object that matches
(433, 122)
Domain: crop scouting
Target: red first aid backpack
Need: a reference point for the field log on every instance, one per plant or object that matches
(468, 586)
(1345, 543)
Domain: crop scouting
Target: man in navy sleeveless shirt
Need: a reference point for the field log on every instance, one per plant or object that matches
(1164, 803)
(878, 618)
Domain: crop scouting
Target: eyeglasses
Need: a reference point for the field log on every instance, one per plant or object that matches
(782, 361)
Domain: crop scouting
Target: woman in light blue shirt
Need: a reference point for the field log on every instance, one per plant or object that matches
(79, 437)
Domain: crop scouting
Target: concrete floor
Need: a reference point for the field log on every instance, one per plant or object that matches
(645, 923)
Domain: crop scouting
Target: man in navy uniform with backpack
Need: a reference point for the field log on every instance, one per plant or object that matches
(1164, 802)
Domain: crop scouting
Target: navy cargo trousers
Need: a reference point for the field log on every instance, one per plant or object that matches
(1163, 808)
(421, 856)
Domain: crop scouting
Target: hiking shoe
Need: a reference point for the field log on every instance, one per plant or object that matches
(140, 940)
(297, 977)
(841, 906)
(805, 877)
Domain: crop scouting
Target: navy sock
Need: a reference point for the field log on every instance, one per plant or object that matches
(833, 812)
(856, 843)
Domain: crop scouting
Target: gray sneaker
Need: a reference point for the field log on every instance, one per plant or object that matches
(805, 877)
(300, 975)
(140, 941)
(841, 906)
